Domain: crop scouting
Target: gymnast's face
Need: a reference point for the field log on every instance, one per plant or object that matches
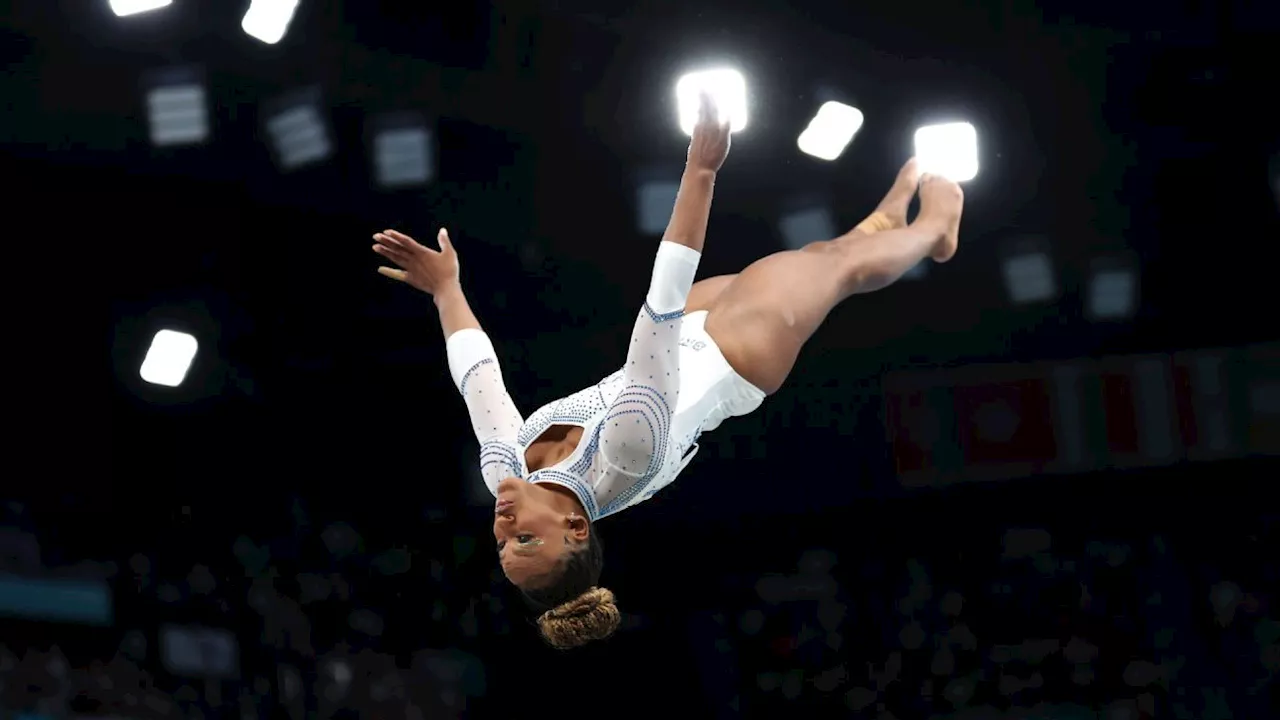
(533, 525)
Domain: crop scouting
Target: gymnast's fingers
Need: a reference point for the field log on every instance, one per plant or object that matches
(442, 237)
(408, 243)
(385, 238)
(393, 253)
(394, 274)
(708, 113)
(390, 241)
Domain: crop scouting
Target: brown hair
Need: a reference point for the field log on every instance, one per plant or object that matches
(572, 609)
(590, 616)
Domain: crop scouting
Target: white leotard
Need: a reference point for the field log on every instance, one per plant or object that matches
(640, 424)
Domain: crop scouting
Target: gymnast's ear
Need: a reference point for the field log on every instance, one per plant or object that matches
(579, 528)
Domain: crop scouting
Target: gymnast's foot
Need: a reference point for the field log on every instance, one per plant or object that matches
(894, 206)
(941, 203)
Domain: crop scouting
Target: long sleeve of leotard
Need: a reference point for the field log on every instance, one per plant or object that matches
(633, 438)
(494, 417)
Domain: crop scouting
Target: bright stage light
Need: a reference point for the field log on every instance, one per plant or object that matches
(268, 20)
(949, 150)
(132, 7)
(169, 358)
(830, 131)
(728, 90)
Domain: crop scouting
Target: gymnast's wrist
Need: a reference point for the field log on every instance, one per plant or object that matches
(448, 294)
(695, 173)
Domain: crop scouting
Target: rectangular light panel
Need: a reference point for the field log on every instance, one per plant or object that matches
(178, 115)
(299, 136)
(402, 157)
(728, 90)
(1112, 294)
(830, 131)
(132, 7)
(268, 20)
(169, 358)
(654, 202)
(949, 150)
(1029, 278)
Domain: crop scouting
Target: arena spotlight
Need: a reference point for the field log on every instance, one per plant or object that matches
(949, 150)
(169, 358)
(268, 20)
(297, 130)
(1113, 289)
(133, 7)
(805, 224)
(830, 131)
(1028, 272)
(728, 90)
(177, 108)
(403, 155)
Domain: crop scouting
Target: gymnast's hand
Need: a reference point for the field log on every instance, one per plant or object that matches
(709, 145)
(431, 271)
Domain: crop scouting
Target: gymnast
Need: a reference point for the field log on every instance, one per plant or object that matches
(700, 353)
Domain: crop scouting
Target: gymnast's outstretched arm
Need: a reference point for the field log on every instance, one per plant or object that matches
(633, 437)
(473, 364)
(708, 148)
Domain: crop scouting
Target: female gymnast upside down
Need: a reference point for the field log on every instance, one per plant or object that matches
(700, 353)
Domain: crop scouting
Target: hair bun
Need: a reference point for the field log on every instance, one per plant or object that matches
(590, 616)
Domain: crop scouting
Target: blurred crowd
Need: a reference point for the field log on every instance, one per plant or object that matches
(305, 640)
(1009, 623)
(1021, 625)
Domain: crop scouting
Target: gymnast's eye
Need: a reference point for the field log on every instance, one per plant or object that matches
(524, 539)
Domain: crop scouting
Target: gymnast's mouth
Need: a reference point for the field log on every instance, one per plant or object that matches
(502, 506)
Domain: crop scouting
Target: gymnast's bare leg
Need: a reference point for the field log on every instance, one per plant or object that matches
(890, 214)
(765, 314)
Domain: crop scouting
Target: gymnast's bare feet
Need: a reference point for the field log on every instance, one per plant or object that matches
(941, 203)
(895, 203)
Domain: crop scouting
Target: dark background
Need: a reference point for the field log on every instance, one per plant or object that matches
(320, 424)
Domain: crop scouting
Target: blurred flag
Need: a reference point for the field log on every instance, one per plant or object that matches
(1263, 367)
(1138, 411)
(1016, 420)
(1006, 423)
(1071, 433)
(1202, 390)
(914, 422)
